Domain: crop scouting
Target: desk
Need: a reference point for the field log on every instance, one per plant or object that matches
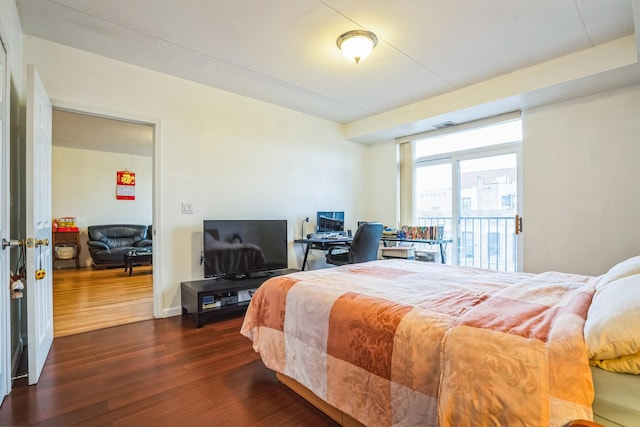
(440, 242)
(322, 245)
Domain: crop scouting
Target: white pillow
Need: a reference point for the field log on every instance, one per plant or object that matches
(628, 267)
(612, 328)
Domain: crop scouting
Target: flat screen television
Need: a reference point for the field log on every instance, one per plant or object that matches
(238, 248)
(330, 221)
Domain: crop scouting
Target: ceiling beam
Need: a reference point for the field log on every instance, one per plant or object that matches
(494, 96)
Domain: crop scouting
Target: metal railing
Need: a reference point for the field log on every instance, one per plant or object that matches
(483, 242)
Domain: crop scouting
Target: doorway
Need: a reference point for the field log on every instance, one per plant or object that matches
(87, 152)
(82, 182)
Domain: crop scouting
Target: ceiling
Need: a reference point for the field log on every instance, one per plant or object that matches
(284, 51)
(87, 132)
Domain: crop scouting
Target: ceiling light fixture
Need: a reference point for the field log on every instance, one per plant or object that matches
(356, 45)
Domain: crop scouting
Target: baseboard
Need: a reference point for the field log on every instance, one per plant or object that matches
(172, 311)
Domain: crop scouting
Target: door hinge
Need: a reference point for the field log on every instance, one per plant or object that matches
(518, 224)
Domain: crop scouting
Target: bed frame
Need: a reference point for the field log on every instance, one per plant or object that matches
(335, 414)
(617, 399)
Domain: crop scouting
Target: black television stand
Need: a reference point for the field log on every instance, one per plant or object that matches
(234, 277)
(241, 277)
(209, 298)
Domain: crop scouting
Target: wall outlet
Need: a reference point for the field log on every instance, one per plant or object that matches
(187, 208)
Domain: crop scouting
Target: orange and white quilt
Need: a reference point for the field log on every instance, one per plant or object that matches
(399, 342)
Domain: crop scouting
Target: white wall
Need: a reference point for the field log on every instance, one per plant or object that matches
(581, 180)
(382, 169)
(84, 184)
(231, 156)
(12, 31)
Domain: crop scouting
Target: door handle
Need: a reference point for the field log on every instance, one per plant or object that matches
(518, 224)
(43, 242)
(13, 243)
(34, 243)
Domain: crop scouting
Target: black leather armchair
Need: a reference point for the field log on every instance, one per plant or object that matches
(363, 248)
(109, 243)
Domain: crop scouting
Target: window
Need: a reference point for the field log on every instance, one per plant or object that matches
(467, 245)
(470, 139)
(472, 191)
(507, 202)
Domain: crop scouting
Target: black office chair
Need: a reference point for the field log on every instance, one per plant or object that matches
(363, 248)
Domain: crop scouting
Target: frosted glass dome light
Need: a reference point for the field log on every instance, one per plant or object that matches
(356, 45)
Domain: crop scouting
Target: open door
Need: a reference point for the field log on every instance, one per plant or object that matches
(38, 225)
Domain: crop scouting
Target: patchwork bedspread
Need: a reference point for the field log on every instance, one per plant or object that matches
(409, 343)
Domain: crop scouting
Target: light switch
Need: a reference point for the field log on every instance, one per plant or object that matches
(187, 208)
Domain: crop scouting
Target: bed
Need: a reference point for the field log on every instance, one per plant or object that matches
(617, 399)
(399, 342)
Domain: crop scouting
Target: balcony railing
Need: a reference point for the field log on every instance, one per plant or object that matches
(484, 242)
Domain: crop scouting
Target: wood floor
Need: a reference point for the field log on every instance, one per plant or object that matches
(160, 372)
(86, 299)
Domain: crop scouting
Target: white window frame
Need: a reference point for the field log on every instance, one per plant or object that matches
(409, 164)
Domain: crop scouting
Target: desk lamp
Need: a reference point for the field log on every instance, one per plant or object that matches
(302, 227)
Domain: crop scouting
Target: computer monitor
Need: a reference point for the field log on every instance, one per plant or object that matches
(330, 221)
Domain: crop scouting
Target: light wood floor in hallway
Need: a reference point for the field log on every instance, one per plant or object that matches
(86, 299)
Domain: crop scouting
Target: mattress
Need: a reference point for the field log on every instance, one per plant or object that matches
(617, 398)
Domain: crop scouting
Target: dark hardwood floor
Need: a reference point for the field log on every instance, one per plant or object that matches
(160, 372)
